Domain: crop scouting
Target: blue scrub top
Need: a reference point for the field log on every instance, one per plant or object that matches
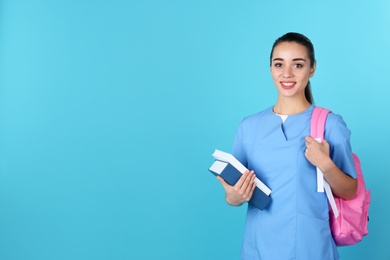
(295, 225)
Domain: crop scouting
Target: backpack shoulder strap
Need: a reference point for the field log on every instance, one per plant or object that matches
(317, 130)
(317, 123)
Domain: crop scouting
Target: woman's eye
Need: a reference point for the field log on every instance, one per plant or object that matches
(278, 65)
(298, 65)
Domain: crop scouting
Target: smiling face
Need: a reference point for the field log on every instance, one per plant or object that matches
(291, 69)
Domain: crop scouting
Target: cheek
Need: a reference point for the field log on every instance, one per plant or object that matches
(305, 75)
(275, 79)
(275, 74)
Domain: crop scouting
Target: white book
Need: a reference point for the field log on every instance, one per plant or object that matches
(229, 158)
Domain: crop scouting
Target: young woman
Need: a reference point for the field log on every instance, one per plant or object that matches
(275, 145)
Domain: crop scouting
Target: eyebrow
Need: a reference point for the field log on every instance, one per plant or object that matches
(296, 59)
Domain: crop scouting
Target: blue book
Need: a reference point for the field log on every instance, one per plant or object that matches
(230, 169)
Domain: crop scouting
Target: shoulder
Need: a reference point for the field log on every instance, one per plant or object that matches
(256, 118)
(336, 129)
(334, 120)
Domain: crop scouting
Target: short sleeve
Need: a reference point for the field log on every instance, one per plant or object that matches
(338, 136)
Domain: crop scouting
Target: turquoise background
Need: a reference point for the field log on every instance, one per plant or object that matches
(110, 110)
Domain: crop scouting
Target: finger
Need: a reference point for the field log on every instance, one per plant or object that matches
(252, 190)
(309, 139)
(326, 145)
(250, 185)
(311, 142)
(242, 179)
(307, 154)
(325, 142)
(248, 181)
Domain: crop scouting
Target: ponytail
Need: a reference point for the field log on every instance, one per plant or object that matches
(308, 94)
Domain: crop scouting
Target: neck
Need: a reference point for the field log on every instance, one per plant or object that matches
(289, 107)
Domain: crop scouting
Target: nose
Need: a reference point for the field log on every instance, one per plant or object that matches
(287, 72)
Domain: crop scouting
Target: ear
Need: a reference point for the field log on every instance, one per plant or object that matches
(313, 69)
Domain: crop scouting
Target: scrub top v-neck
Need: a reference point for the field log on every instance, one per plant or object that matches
(295, 225)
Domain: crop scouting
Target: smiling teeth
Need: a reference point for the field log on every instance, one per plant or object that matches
(288, 84)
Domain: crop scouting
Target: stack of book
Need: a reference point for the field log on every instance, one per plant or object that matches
(230, 169)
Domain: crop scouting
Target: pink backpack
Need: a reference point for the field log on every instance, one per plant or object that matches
(351, 224)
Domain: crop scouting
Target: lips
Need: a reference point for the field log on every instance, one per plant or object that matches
(287, 84)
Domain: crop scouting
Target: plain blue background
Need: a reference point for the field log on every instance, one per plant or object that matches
(110, 110)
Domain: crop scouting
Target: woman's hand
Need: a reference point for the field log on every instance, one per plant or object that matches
(343, 186)
(242, 191)
(318, 153)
